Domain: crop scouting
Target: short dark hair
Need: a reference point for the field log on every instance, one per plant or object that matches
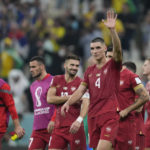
(98, 39)
(72, 56)
(130, 65)
(109, 49)
(39, 59)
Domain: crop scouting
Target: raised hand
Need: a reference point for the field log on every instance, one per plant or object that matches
(111, 19)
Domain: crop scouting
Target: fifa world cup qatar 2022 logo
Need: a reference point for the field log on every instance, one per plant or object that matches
(38, 93)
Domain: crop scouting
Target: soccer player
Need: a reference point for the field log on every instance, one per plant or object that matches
(126, 140)
(43, 112)
(68, 129)
(102, 80)
(139, 116)
(130, 86)
(7, 106)
(146, 72)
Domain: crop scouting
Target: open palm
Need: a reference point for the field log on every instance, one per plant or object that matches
(111, 19)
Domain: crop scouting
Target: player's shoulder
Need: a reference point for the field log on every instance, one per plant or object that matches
(58, 78)
(78, 79)
(128, 72)
(5, 86)
(91, 68)
(33, 83)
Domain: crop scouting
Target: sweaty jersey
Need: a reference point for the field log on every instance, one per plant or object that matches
(42, 110)
(103, 85)
(148, 103)
(126, 94)
(7, 106)
(65, 89)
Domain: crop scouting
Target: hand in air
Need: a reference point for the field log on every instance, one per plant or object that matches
(110, 22)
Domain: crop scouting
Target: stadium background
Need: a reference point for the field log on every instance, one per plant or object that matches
(54, 28)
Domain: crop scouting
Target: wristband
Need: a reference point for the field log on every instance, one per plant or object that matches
(80, 119)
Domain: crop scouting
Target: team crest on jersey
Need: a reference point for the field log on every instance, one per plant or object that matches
(65, 88)
(130, 142)
(98, 75)
(77, 141)
(108, 129)
(121, 82)
(105, 71)
(73, 88)
(137, 147)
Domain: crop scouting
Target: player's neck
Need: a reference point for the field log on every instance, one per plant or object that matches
(69, 78)
(42, 76)
(101, 63)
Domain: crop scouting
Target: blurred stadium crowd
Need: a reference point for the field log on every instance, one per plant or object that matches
(54, 28)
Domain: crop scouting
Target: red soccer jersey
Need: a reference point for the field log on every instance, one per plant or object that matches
(6, 106)
(63, 89)
(126, 94)
(148, 103)
(102, 84)
(139, 123)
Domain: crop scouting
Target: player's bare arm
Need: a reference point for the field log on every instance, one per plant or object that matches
(18, 129)
(53, 99)
(139, 110)
(110, 23)
(143, 98)
(84, 109)
(76, 96)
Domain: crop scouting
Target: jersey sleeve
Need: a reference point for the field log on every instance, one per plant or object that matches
(54, 82)
(86, 79)
(135, 81)
(9, 101)
(7, 95)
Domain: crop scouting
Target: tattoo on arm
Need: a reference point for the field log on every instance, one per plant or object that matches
(142, 93)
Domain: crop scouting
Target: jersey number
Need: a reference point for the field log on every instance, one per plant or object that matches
(31, 140)
(97, 83)
(64, 93)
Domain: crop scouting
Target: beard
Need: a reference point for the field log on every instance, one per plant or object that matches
(37, 76)
(72, 74)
